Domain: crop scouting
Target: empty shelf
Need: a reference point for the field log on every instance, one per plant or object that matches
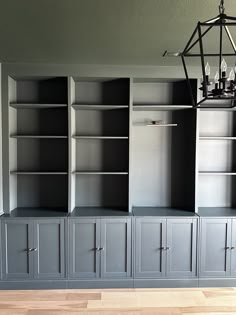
(143, 107)
(99, 173)
(37, 212)
(218, 173)
(38, 173)
(98, 107)
(161, 212)
(101, 137)
(99, 212)
(217, 138)
(37, 137)
(36, 105)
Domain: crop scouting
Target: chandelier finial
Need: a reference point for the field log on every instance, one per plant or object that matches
(222, 7)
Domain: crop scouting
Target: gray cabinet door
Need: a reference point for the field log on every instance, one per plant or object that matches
(233, 249)
(214, 247)
(17, 239)
(115, 248)
(181, 248)
(49, 249)
(150, 241)
(84, 241)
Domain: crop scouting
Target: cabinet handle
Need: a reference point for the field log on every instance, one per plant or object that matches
(232, 247)
(97, 248)
(101, 248)
(227, 247)
(162, 248)
(33, 249)
(167, 248)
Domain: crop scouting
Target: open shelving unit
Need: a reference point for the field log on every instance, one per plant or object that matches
(216, 160)
(162, 157)
(99, 144)
(38, 144)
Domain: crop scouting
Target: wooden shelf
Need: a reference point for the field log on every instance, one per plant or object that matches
(218, 173)
(99, 173)
(36, 105)
(217, 138)
(37, 137)
(98, 107)
(100, 137)
(38, 173)
(143, 107)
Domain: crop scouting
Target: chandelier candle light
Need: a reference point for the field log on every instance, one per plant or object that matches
(223, 87)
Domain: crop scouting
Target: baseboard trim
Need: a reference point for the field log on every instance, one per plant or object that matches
(100, 284)
(166, 283)
(224, 282)
(32, 285)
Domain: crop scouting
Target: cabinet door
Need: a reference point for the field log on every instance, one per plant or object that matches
(84, 241)
(115, 248)
(150, 241)
(233, 249)
(214, 247)
(181, 247)
(49, 249)
(17, 240)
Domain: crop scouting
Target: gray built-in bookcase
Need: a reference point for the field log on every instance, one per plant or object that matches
(88, 143)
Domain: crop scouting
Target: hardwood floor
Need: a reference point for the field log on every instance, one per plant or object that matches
(214, 301)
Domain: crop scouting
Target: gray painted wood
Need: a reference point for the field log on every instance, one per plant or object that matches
(150, 241)
(233, 249)
(215, 238)
(17, 238)
(84, 240)
(49, 240)
(116, 248)
(181, 244)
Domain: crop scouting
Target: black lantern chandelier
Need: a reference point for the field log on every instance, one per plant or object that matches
(222, 87)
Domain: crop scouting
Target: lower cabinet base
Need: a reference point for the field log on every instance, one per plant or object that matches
(224, 282)
(165, 283)
(119, 284)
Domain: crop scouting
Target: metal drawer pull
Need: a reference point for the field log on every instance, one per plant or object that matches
(33, 249)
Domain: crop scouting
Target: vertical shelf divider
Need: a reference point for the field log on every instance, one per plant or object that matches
(131, 84)
(71, 146)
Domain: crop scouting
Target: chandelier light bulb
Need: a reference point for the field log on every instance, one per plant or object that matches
(217, 76)
(208, 69)
(232, 75)
(224, 66)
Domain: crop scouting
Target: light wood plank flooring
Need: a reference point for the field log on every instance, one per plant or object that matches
(214, 301)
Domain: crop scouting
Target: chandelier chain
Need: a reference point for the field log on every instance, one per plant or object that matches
(222, 7)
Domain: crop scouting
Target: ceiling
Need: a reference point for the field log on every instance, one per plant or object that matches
(100, 31)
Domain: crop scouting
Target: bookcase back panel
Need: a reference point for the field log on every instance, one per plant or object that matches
(163, 160)
(42, 191)
(102, 123)
(101, 191)
(102, 92)
(102, 155)
(216, 191)
(48, 91)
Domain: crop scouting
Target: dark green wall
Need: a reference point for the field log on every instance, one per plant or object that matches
(99, 31)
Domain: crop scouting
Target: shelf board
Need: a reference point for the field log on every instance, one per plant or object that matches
(217, 138)
(101, 137)
(37, 137)
(98, 107)
(36, 105)
(143, 107)
(218, 173)
(99, 173)
(38, 173)
(99, 212)
(161, 125)
(37, 212)
(216, 212)
(161, 212)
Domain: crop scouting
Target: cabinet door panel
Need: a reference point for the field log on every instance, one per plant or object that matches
(49, 241)
(150, 239)
(17, 239)
(116, 248)
(84, 238)
(215, 238)
(181, 247)
(233, 249)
